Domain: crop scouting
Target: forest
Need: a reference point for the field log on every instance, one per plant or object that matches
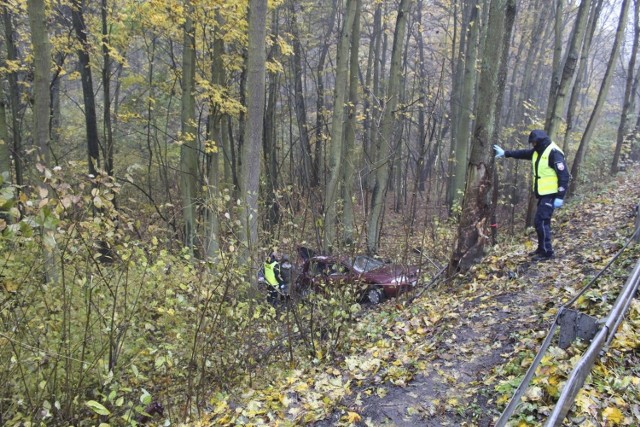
(154, 152)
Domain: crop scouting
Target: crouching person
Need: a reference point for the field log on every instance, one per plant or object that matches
(273, 277)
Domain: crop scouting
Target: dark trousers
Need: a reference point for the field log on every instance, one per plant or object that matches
(542, 223)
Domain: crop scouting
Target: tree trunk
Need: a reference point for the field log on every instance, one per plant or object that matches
(41, 71)
(628, 95)
(91, 121)
(253, 131)
(41, 111)
(602, 96)
(320, 120)
(106, 87)
(309, 174)
(188, 149)
(378, 197)
(349, 173)
(14, 98)
(465, 111)
(270, 149)
(370, 105)
(477, 209)
(5, 152)
(577, 85)
(557, 101)
(215, 128)
(332, 194)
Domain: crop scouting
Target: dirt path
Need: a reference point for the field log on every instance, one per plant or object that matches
(452, 383)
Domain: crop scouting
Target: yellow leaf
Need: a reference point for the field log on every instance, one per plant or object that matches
(613, 414)
(353, 417)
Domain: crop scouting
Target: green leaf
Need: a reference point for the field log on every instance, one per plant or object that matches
(145, 398)
(97, 407)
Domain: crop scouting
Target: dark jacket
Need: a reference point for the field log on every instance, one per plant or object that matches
(556, 160)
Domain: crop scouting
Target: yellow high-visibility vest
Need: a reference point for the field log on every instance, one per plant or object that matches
(546, 176)
(269, 273)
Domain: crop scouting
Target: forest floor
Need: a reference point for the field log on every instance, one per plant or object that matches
(454, 355)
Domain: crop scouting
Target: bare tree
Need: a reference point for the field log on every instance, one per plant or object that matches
(602, 96)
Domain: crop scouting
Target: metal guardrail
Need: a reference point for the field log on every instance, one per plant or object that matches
(601, 340)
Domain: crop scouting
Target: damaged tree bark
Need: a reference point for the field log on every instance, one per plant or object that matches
(477, 207)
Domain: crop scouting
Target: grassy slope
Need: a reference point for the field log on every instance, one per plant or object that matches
(455, 355)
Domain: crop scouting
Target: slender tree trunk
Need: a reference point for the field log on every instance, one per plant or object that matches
(189, 142)
(582, 66)
(106, 87)
(332, 194)
(370, 105)
(465, 111)
(557, 101)
(253, 131)
(91, 121)
(348, 176)
(41, 68)
(270, 149)
(628, 95)
(215, 129)
(383, 169)
(557, 54)
(320, 135)
(41, 111)
(14, 98)
(602, 96)
(5, 152)
(308, 172)
(502, 81)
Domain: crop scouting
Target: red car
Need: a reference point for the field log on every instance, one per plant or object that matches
(377, 279)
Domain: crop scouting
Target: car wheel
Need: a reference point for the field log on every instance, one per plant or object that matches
(374, 296)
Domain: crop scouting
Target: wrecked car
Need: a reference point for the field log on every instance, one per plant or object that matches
(374, 279)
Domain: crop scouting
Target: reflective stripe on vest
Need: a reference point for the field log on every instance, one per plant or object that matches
(270, 274)
(546, 176)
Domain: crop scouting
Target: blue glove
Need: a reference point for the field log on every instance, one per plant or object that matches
(499, 152)
(557, 203)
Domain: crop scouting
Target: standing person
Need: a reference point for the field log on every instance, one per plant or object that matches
(286, 273)
(550, 183)
(273, 277)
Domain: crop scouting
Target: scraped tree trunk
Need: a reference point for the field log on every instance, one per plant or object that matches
(383, 169)
(477, 207)
(602, 96)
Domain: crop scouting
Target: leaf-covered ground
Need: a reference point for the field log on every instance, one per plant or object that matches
(454, 355)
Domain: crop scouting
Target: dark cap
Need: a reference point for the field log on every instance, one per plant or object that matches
(537, 136)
